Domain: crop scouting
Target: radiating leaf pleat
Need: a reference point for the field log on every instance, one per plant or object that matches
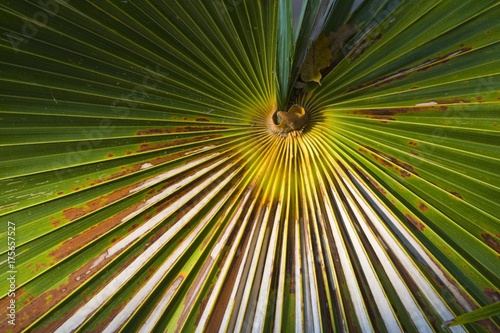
(149, 194)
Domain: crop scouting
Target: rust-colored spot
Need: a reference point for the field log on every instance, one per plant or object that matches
(202, 119)
(35, 267)
(423, 207)
(491, 241)
(404, 173)
(386, 113)
(154, 131)
(456, 194)
(455, 100)
(388, 161)
(153, 146)
(128, 152)
(203, 305)
(110, 155)
(136, 167)
(82, 239)
(55, 224)
(75, 189)
(480, 99)
(405, 72)
(413, 143)
(60, 193)
(181, 129)
(414, 153)
(79, 241)
(382, 161)
(96, 181)
(417, 224)
(74, 213)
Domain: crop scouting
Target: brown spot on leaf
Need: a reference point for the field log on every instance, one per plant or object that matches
(404, 73)
(203, 305)
(493, 295)
(34, 268)
(110, 155)
(74, 213)
(456, 194)
(403, 173)
(136, 167)
(455, 100)
(82, 239)
(378, 113)
(181, 129)
(423, 207)
(154, 146)
(413, 143)
(491, 241)
(404, 169)
(417, 224)
(202, 119)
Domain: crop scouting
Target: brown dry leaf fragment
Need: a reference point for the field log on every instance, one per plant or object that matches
(318, 58)
(282, 123)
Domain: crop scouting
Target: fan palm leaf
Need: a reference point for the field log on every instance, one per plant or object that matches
(164, 169)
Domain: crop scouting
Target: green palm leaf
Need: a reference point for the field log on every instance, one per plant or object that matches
(149, 184)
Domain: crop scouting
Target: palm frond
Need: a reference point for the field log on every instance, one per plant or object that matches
(148, 192)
